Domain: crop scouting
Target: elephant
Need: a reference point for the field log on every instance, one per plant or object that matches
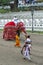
(11, 29)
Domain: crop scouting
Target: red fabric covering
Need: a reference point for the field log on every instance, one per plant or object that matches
(20, 24)
(9, 31)
(11, 23)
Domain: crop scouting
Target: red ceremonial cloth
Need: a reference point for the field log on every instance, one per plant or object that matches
(11, 23)
(9, 31)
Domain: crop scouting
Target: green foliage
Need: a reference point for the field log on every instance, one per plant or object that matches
(2, 2)
(4, 10)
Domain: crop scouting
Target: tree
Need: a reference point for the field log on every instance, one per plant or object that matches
(4, 2)
(40, 0)
(15, 4)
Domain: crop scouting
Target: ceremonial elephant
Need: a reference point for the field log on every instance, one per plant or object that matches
(10, 30)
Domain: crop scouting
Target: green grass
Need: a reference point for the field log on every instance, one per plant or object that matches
(1, 29)
(40, 32)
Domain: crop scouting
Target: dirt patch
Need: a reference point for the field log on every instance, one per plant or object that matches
(10, 55)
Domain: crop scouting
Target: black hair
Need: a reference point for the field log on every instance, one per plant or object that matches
(28, 36)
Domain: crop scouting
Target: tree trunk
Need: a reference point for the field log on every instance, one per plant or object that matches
(15, 5)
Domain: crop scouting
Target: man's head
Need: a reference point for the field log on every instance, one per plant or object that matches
(28, 36)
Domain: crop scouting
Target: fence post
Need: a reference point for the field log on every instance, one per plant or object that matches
(32, 12)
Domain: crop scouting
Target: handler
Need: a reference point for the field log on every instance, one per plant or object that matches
(17, 44)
